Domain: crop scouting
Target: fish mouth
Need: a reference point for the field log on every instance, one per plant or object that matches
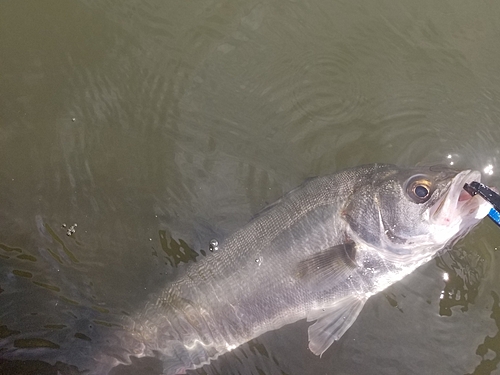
(457, 204)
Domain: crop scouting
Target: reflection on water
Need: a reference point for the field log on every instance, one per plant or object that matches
(36, 367)
(464, 274)
(489, 350)
(140, 121)
(176, 251)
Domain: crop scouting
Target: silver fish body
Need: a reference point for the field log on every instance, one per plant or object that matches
(318, 254)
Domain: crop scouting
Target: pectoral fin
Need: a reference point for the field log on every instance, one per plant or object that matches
(328, 267)
(332, 322)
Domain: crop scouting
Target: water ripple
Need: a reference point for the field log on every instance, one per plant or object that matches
(329, 87)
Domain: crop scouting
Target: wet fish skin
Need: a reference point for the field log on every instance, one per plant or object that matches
(318, 253)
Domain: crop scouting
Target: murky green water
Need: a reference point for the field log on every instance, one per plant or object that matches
(156, 125)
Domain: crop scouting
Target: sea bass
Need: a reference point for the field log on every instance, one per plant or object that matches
(318, 254)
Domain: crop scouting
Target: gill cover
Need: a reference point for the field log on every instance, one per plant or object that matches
(392, 212)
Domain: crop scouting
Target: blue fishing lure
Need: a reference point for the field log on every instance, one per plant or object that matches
(488, 194)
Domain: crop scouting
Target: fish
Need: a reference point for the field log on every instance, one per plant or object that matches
(318, 253)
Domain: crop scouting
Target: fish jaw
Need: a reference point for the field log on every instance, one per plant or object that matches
(456, 212)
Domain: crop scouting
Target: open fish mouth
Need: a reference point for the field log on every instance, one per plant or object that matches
(456, 205)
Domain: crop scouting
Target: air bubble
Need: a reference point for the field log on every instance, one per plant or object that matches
(214, 245)
(71, 230)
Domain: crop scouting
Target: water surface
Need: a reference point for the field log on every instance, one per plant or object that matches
(155, 126)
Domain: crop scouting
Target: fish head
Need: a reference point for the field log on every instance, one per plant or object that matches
(415, 212)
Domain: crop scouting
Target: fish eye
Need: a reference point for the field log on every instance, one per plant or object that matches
(419, 189)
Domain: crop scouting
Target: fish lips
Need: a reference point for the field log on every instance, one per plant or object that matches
(457, 207)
